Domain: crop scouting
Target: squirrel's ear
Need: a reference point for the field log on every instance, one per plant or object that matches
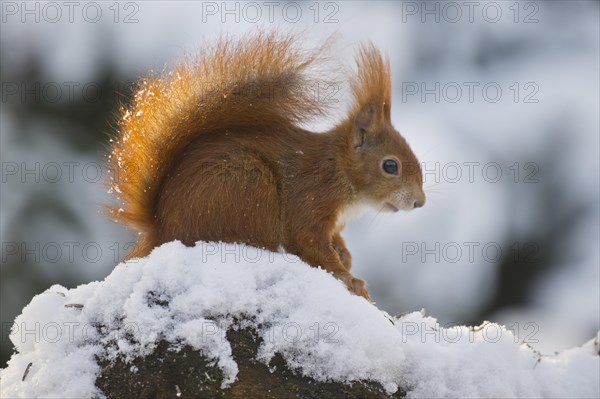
(365, 123)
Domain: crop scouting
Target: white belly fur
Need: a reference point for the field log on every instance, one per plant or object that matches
(350, 212)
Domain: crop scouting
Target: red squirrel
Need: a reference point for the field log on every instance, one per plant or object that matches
(214, 151)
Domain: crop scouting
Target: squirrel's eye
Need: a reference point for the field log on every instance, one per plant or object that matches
(390, 166)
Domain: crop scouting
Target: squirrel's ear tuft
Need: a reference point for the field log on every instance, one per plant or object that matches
(371, 85)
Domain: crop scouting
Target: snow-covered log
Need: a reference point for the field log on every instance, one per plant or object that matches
(224, 320)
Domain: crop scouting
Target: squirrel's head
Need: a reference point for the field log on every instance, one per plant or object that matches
(383, 169)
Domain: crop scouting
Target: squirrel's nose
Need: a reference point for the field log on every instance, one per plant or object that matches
(419, 201)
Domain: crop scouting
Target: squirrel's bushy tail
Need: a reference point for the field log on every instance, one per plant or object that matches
(258, 80)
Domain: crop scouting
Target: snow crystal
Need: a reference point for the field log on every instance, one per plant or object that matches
(194, 295)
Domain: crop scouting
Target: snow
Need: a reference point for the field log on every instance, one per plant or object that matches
(193, 295)
(559, 54)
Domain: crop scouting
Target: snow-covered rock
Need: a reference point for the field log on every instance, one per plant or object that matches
(193, 296)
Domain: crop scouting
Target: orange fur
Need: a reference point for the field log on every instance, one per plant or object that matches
(213, 151)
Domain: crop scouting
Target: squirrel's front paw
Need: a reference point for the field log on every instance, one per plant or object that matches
(356, 285)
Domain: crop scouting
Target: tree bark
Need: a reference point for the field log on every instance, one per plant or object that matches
(188, 374)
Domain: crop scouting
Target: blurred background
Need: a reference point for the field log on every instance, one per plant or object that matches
(499, 101)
